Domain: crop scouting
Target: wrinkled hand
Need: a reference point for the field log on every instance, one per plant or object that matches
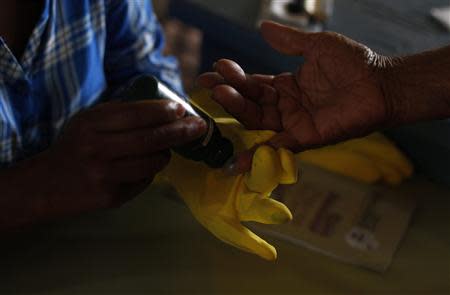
(110, 153)
(220, 202)
(335, 94)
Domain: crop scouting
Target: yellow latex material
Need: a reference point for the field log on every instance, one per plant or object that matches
(369, 159)
(220, 202)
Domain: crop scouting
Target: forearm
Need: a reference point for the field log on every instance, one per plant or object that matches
(417, 87)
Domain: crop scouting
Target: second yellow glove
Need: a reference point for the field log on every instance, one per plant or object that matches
(370, 159)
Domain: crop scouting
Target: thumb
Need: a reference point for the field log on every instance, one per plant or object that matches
(287, 40)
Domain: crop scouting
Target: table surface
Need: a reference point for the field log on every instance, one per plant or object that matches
(154, 245)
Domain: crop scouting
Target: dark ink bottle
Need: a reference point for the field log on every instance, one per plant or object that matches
(211, 148)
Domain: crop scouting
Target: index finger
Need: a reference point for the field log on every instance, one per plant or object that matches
(119, 116)
(242, 162)
(248, 85)
(210, 80)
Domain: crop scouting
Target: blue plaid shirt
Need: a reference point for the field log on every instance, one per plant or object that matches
(77, 50)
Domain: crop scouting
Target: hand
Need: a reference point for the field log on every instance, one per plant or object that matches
(334, 95)
(220, 202)
(104, 157)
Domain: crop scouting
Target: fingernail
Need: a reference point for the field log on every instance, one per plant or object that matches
(179, 109)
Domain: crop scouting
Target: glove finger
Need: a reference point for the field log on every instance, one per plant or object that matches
(265, 172)
(253, 207)
(391, 175)
(289, 167)
(378, 147)
(235, 234)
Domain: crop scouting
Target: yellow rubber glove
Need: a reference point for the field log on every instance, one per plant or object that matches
(369, 159)
(221, 202)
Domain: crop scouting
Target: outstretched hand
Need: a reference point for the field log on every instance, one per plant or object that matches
(334, 95)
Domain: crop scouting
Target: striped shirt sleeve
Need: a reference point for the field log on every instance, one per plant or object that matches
(134, 45)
